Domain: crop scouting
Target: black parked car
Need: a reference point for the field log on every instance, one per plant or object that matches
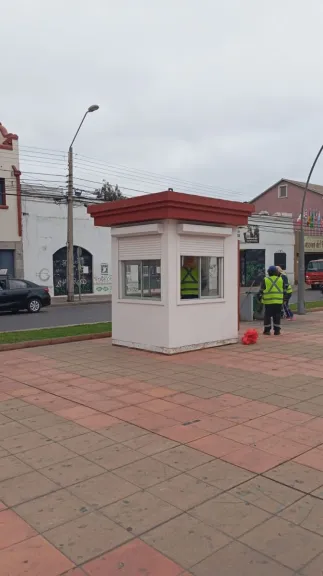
(18, 295)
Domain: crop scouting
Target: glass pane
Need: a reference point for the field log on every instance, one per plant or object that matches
(190, 278)
(132, 280)
(211, 272)
(151, 279)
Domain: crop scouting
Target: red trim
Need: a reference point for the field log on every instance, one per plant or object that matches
(17, 175)
(171, 205)
(3, 207)
(8, 138)
(239, 285)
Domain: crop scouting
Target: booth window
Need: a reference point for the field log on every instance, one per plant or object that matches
(201, 277)
(141, 279)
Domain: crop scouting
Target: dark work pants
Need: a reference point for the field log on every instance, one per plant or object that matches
(272, 312)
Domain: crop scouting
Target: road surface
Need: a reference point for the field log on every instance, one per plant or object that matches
(57, 316)
(82, 314)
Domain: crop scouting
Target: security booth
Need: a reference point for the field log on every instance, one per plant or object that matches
(175, 270)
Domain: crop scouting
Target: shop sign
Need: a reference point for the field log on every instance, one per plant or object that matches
(313, 244)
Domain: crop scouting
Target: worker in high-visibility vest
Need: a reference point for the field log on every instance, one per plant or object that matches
(271, 294)
(288, 291)
(189, 278)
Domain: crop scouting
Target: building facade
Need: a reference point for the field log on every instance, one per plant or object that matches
(44, 238)
(11, 247)
(266, 241)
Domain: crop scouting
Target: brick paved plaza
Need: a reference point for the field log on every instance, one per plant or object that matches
(117, 462)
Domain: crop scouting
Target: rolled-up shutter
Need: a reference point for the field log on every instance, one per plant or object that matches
(201, 246)
(140, 248)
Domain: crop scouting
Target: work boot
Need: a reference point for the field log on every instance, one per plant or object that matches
(266, 333)
(277, 333)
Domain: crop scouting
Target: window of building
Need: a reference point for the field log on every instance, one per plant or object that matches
(282, 191)
(2, 192)
(141, 279)
(201, 277)
(280, 260)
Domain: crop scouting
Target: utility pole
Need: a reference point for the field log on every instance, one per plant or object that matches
(70, 235)
(301, 250)
(70, 242)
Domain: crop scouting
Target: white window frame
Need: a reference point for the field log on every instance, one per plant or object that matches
(202, 299)
(279, 191)
(124, 264)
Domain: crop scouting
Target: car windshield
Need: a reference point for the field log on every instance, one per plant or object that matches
(315, 266)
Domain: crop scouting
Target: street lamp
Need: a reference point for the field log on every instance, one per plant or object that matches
(301, 251)
(70, 241)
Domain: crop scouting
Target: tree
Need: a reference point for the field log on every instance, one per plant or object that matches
(109, 193)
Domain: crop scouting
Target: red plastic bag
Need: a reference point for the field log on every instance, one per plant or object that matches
(250, 337)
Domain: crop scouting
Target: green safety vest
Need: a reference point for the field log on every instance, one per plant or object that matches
(189, 282)
(289, 289)
(274, 291)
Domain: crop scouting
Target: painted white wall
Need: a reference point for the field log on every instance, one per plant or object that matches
(9, 217)
(171, 325)
(45, 231)
(276, 234)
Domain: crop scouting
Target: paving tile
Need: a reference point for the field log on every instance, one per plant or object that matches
(123, 431)
(86, 443)
(10, 467)
(280, 446)
(246, 412)
(214, 424)
(306, 512)
(186, 540)
(25, 487)
(133, 559)
(229, 514)
(158, 405)
(97, 421)
(291, 416)
(13, 529)
(33, 557)
(62, 431)
(183, 458)
(215, 445)
(244, 434)
(146, 472)
(12, 403)
(237, 559)
(313, 458)
(184, 434)
(103, 490)
(269, 424)
(268, 495)
(12, 429)
(140, 512)
(184, 491)
(72, 471)
(304, 435)
(23, 412)
(46, 455)
(2, 506)
(130, 413)
(39, 422)
(52, 510)
(221, 474)
(253, 460)
(314, 568)
(297, 476)
(285, 542)
(76, 412)
(184, 413)
(315, 424)
(4, 419)
(150, 444)
(114, 456)
(24, 442)
(154, 422)
(87, 537)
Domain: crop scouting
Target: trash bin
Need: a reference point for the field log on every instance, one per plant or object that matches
(250, 308)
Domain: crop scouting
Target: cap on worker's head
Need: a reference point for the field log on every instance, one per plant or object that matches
(272, 271)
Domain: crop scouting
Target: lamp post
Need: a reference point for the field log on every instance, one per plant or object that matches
(301, 251)
(70, 242)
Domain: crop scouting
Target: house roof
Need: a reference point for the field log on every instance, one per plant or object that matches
(318, 189)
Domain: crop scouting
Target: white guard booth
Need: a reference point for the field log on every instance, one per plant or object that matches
(175, 270)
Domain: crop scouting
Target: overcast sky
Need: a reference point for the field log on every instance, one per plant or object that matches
(227, 93)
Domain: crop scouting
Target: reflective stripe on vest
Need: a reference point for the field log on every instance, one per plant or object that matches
(274, 292)
(189, 281)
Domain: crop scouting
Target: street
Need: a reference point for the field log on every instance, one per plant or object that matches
(82, 314)
(57, 316)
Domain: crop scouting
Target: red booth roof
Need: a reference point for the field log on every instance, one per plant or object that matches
(171, 205)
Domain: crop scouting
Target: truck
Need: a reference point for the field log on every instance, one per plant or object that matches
(314, 274)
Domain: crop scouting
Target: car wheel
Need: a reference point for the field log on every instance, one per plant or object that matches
(34, 305)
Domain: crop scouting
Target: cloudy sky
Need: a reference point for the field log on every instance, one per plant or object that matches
(224, 93)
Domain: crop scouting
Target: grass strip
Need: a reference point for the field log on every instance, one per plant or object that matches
(308, 305)
(55, 332)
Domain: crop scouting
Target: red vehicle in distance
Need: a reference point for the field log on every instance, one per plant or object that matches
(314, 274)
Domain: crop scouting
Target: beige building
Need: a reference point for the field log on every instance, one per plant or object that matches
(11, 252)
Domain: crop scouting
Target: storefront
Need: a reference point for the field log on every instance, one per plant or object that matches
(266, 241)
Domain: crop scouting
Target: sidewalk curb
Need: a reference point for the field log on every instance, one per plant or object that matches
(80, 302)
(52, 341)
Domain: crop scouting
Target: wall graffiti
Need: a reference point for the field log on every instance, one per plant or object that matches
(60, 271)
(103, 284)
